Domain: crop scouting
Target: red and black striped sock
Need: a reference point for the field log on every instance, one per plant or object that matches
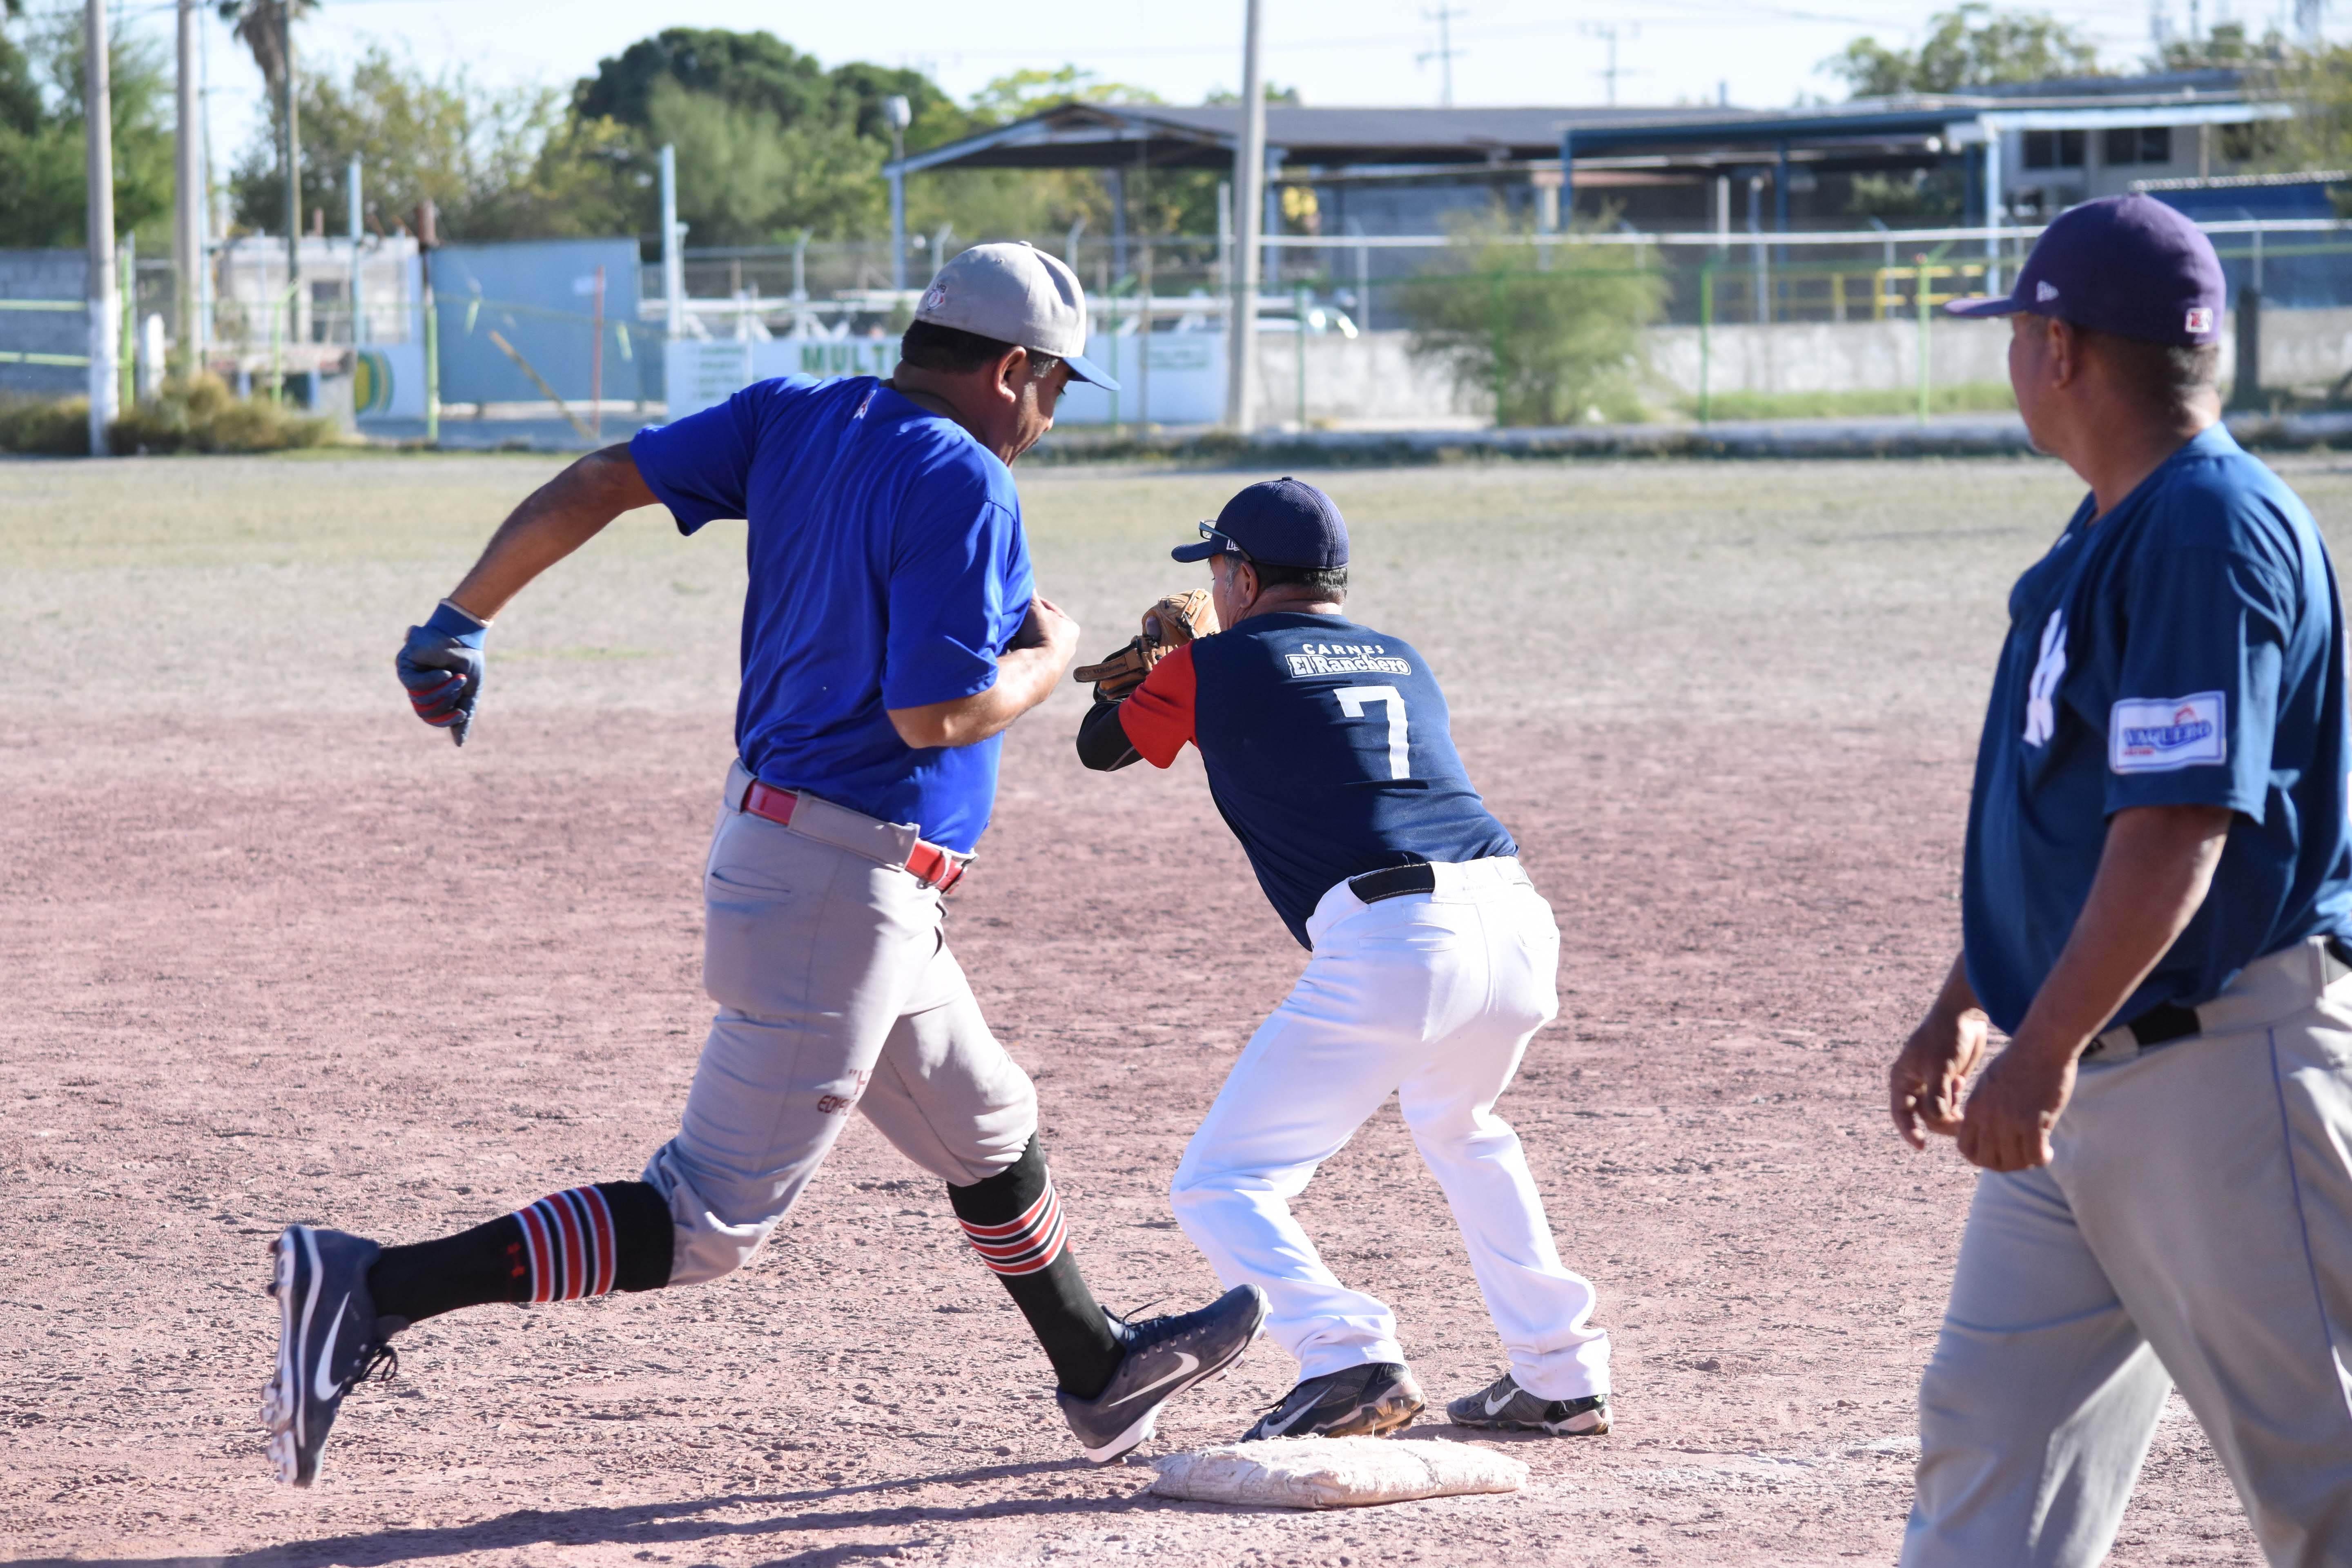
(1014, 1220)
(583, 1241)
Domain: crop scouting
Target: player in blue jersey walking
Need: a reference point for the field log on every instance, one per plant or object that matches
(891, 632)
(1434, 961)
(2157, 884)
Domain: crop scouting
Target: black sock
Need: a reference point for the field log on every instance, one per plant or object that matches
(1014, 1222)
(583, 1241)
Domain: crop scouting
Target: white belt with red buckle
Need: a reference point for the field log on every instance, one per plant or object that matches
(891, 844)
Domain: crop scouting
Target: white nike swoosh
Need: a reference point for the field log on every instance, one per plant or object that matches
(1190, 1361)
(1277, 1428)
(321, 1385)
(1494, 1406)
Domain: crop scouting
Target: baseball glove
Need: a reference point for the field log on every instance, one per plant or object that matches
(1169, 624)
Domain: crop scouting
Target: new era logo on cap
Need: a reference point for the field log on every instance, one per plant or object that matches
(2200, 319)
(2043, 292)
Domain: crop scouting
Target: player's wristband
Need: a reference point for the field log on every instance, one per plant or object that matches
(452, 622)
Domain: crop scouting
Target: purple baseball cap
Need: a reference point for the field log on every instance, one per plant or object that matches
(2127, 265)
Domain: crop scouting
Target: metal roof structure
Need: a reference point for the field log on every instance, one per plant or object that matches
(1336, 140)
(1099, 135)
(1557, 147)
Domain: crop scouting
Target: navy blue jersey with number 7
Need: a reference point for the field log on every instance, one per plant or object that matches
(1329, 752)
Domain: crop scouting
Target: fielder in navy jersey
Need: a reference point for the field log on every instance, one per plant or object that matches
(2155, 894)
(891, 632)
(1328, 752)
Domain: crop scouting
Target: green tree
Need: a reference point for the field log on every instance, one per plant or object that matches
(746, 178)
(1019, 94)
(1970, 46)
(991, 203)
(2318, 83)
(498, 162)
(769, 142)
(2226, 46)
(42, 192)
(1545, 345)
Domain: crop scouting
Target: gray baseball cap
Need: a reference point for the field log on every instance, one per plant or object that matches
(1015, 293)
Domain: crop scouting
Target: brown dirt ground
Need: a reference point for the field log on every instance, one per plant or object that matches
(277, 951)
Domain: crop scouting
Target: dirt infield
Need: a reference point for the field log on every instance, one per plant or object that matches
(278, 953)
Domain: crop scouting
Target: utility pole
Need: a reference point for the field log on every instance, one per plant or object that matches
(900, 114)
(98, 120)
(1607, 32)
(1444, 52)
(1249, 182)
(353, 213)
(673, 236)
(293, 172)
(188, 198)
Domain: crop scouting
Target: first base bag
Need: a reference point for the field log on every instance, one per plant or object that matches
(1334, 1473)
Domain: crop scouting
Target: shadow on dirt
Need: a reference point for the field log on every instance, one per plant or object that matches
(655, 1525)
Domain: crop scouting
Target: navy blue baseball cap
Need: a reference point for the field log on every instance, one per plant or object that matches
(1282, 522)
(2127, 265)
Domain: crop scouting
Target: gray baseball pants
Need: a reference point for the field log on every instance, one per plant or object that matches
(836, 993)
(2195, 1227)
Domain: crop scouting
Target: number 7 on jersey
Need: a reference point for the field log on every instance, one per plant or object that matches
(1352, 701)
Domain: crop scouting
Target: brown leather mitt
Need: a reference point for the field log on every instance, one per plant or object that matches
(1169, 624)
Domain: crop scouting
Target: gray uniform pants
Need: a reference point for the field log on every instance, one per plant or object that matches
(836, 993)
(2195, 1226)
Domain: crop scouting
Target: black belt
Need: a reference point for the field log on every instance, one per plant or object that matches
(1394, 883)
(2170, 1021)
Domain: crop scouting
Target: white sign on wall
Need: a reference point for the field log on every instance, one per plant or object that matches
(1185, 384)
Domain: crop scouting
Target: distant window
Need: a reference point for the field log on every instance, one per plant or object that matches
(2138, 144)
(2053, 149)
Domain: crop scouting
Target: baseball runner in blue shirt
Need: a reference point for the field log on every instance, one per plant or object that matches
(2157, 884)
(891, 632)
(1434, 962)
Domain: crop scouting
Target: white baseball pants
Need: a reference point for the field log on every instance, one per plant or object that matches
(2195, 1226)
(836, 994)
(1434, 996)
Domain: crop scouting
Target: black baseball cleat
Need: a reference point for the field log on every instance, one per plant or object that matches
(329, 1341)
(1503, 1406)
(1165, 1356)
(1363, 1401)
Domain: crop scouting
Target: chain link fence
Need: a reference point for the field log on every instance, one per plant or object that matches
(1354, 331)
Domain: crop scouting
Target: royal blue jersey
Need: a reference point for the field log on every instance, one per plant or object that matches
(1328, 748)
(2187, 648)
(887, 570)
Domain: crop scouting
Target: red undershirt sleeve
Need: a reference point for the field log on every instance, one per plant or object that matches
(1158, 714)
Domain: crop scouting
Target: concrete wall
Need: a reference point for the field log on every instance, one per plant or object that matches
(44, 275)
(1373, 379)
(1825, 356)
(2300, 349)
(1369, 379)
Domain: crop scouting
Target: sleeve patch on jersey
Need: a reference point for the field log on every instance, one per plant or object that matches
(2158, 735)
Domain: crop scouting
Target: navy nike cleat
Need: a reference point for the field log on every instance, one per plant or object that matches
(1363, 1401)
(1503, 1406)
(329, 1341)
(1165, 1356)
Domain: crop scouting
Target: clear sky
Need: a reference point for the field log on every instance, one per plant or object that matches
(1761, 52)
